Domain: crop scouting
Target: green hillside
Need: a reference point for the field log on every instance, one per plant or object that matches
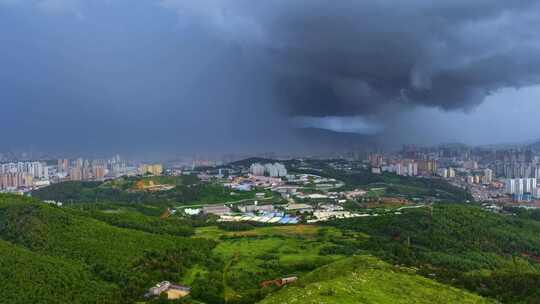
(366, 280)
(185, 190)
(112, 253)
(132, 259)
(394, 185)
(28, 277)
(253, 256)
(462, 245)
(449, 235)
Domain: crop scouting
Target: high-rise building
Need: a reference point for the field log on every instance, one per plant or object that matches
(520, 186)
(36, 169)
(537, 171)
(273, 170)
(79, 163)
(488, 176)
(99, 172)
(281, 170)
(75, 174)
(451, 173)
(22, 174)
(470, 164)
(376, 160)
(427, 167)
(15, 180)
(510, 186)
(257, 169)
(443, 173)
(63, 165)
(409, 167)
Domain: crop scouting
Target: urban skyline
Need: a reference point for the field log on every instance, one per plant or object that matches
(269, 152)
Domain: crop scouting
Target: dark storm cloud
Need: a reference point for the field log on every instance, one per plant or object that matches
(90, 75)
(235, 74)
(355, 57)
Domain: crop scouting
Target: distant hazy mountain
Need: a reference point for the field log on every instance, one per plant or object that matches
(326, 140)
(534, 145)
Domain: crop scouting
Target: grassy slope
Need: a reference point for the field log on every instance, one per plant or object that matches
(264, 253)
(364, 279)
(462, 245)
(53, 280)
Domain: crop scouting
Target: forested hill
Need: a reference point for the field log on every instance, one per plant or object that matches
(492, 254)
(118, 263)
(29, 277)
(180, 190)
(112, 253)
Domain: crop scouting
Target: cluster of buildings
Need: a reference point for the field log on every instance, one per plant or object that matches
(484, 177)
(522, 188)
(403, 166)
(14, 176)
(153, 169)
(246, 213)
(290, 213)
(14, 181)
(447, 172)
(268, 217)
(29, 175)
(490, 173)
(272, 170)
(82, 169)
(297, 198)
(248, 183)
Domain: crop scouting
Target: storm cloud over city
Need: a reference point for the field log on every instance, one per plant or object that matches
(182, 75)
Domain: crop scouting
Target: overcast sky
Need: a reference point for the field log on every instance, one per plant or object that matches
(193, 76)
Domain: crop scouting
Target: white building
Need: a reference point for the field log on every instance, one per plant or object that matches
(257, 169)
(36, 169)
(488, 176)
(281, 170)
(272, 170)
(520, 186)
(192, 211)
(404, 167)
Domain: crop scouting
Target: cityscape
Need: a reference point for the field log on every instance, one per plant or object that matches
(269, 152)
(492, 175)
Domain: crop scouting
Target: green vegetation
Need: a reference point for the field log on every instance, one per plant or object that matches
(394, 185)
(220, 266)
(132, 260)
(531, 214)
(125, 218)
(112, 252)
(260, 254)
(185, 190)
(28, 277)
(463, 245)
(364, 280)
